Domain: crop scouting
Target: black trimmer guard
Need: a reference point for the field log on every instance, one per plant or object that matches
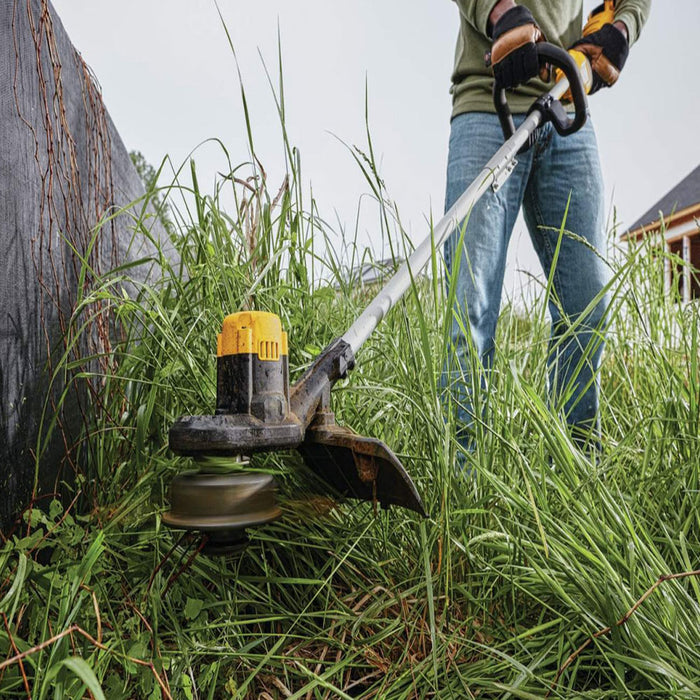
(356, 466)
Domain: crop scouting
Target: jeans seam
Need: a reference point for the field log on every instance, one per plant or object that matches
(544, 138)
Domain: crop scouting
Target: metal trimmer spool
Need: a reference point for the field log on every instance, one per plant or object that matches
(221, 506)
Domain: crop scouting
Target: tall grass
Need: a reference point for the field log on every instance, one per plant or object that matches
(516, 567)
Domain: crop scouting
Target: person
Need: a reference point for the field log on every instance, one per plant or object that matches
(558, 183)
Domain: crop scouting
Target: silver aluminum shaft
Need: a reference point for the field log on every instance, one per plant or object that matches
(496, 171)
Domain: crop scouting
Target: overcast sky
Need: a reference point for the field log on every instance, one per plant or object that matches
(169, 82)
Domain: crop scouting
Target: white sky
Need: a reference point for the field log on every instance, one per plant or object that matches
(169, 82)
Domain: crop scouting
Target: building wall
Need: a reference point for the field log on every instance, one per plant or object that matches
(695, 264)
(684, 277)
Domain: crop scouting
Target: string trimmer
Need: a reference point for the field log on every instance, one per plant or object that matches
(257, 410)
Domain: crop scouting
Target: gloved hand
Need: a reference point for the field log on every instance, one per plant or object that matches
(513, 53)
(607, 50)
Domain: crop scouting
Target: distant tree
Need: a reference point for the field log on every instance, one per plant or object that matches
(149, 178)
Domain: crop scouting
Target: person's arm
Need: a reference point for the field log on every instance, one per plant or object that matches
(607, 37)
(514, 34)
(632, 14)
(479, 13)
(619, 24)
(499, 9)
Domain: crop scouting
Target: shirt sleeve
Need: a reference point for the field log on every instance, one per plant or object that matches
(634, 14)
(477, 13)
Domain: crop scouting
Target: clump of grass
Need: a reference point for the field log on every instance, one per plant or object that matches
(517, 566)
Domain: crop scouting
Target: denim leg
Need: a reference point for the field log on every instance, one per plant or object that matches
(475, 272)
(567, 170)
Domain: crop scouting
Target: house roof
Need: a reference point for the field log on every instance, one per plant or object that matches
(684, 195)
(376, 271)
(370, 272)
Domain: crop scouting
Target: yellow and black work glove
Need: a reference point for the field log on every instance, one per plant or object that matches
(607, 50)
(513, 52)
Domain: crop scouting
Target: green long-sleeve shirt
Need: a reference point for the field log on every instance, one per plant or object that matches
(562, 24)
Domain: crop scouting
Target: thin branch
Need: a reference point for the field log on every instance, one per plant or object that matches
(175, 576)
(46, 643)
(163, 560)
(619, 623)
(17, 658)
(16, 650)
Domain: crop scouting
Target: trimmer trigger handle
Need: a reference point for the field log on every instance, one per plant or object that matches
(550, 108)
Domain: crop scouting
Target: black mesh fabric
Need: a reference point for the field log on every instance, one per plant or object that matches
(63, 168)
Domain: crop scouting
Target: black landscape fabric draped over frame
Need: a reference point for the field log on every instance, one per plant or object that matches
(63, 169)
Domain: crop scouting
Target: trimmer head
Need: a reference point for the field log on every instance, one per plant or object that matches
(252, 393)
(221, 506)
(256, 411)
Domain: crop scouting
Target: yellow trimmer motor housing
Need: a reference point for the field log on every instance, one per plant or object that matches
(252, 393)
(253, 367)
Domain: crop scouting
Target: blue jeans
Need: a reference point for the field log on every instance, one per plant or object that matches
(555, 172)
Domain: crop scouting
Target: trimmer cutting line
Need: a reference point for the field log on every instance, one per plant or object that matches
(257, 410)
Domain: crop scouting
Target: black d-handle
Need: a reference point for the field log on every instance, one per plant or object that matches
(551, 109)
